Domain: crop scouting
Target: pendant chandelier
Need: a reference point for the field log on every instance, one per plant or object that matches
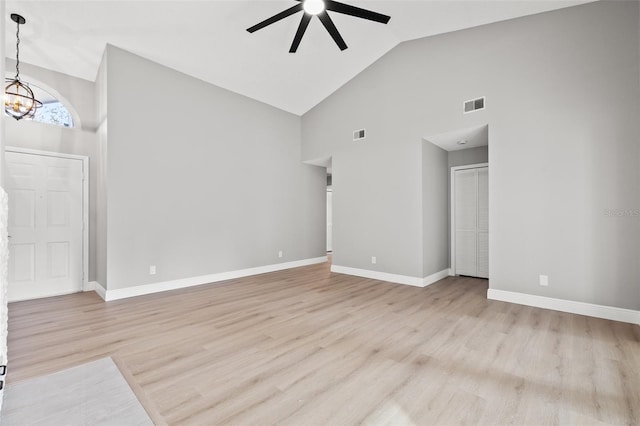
(19, 101)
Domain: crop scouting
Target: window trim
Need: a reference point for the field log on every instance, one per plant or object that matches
(77, 123)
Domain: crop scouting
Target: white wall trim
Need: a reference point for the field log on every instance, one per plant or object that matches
(435, 277)
(570, 306)
(393, 278)
(97, 287)
(452, 211)
(85, 200)
(139, 290)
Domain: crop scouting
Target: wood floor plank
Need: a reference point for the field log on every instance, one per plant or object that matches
(307, 346)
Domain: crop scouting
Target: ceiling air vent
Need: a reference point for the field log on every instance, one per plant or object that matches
(474, 105)
(359, 135)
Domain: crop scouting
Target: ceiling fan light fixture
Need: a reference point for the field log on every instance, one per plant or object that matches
(313, 7)
(320, 8)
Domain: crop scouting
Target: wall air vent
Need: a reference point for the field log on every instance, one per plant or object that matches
(474, 105)
(359, 135)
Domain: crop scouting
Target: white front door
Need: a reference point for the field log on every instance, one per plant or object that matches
(45, 225)
(471, 222)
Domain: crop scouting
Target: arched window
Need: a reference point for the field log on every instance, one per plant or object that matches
(52, 111)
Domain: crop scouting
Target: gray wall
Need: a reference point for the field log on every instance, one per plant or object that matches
(202, 180)
(377, 207)
(101, 99)
(435, 172)
(563, 100)
(465, 157)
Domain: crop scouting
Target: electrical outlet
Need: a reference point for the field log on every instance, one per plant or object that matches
(280, 253)
(373, 260)
(152, 270)
(544, 280)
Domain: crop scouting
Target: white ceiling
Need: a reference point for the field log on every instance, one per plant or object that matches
(208, 39)
(456, 140)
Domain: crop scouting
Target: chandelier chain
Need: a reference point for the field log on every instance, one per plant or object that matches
(18, 51)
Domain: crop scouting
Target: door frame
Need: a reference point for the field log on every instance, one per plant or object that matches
(329, 190)
(452, 221)
(85, 202)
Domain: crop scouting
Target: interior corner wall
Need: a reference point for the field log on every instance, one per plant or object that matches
(377, 207)
(435, 243)
(563, 101)
(202, 180)
(465, 157)
(101, 100)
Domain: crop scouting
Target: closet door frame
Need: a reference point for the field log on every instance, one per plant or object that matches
(452, 220)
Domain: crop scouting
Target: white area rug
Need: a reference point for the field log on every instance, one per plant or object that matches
(90, 394)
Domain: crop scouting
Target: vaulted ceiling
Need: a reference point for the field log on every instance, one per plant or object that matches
(208, 39)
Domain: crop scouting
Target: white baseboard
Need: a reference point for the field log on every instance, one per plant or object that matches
(436, 277)
(393, 278)
(580, 308)
(97, 287)
(123, 293)
(94, 286)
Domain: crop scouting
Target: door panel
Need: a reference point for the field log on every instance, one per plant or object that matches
(22, 265)
(483, 255)
(466, 254)
(23, 213)
(483, 199)
(45, 225)
(58, 260)
(465, 201)
(58, 208)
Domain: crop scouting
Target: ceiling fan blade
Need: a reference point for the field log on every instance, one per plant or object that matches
(304, 23)
(331, 27)
(276, 18)
(356, 11)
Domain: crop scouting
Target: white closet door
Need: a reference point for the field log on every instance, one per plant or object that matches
(471, 221)
(483, 222)
(45, 225)
(466, 219)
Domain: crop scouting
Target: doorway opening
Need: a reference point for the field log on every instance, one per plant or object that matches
(468, 187)
(48, 216)
(470, 220)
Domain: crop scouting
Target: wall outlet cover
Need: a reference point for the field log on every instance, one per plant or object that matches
(544, 280)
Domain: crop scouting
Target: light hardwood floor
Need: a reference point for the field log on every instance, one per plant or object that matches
(306, 346)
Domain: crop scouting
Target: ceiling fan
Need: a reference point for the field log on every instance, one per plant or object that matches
(319, 8)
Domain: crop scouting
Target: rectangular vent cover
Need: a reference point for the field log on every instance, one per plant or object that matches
(474, 105)
(359, 134)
